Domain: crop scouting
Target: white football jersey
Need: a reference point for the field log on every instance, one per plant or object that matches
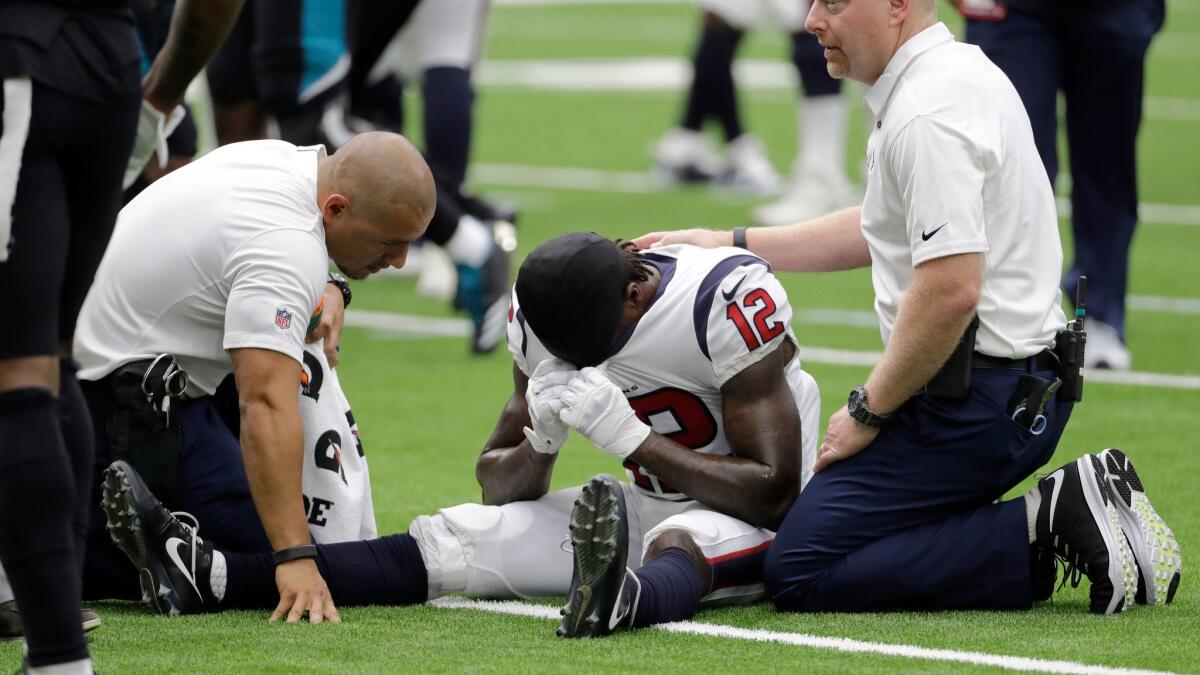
(716, 312)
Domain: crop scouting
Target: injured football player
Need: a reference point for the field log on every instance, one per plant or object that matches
(678, 362)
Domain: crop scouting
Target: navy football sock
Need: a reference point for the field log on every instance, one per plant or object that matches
(75, 422)
(37, 543)
(809, 58)
(384, 571)
(449, 99)
(713, 94)
(671, 589)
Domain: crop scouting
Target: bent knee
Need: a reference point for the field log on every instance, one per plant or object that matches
(789, 576)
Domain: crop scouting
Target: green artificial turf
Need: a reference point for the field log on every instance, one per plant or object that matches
(425, 407)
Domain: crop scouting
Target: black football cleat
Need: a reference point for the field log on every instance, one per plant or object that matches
(604, 593)
(1078, 521)
(173, 563)
(1159, 561)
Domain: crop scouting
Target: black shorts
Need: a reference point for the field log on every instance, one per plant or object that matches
(62, 158)
(289, 54)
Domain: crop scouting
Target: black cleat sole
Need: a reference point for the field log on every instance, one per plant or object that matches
(595, 532)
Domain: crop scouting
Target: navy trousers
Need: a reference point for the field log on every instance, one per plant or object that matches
(1095, 53)
(212, 486)
(910, 522)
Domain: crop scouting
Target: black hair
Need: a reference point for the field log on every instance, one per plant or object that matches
(636, 269)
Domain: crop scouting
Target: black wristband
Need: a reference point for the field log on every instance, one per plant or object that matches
(739, 238)
(343, 286)
(286, 555)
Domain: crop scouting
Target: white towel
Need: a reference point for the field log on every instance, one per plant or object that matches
(336, 485)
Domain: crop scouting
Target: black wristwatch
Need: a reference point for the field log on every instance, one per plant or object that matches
(860, 409)
(342, 285)
(739, 238)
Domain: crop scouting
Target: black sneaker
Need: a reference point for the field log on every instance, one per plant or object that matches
(1154, 546)
(1078, 521)
(483, 291)
(12, 627)
(604, 593)
(173, 563)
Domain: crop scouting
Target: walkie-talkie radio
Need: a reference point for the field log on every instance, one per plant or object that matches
(1069, 347)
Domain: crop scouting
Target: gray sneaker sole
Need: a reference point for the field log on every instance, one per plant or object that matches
(1154, 545)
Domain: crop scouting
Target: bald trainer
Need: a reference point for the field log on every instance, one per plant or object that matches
(223, 267)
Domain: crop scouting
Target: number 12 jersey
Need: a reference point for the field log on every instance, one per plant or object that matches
(716, 312)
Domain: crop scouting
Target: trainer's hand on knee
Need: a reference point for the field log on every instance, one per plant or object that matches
(696, 237)
(844, 437)
(301, 589)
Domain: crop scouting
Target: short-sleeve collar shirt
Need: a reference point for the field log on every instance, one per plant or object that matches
(953, 169)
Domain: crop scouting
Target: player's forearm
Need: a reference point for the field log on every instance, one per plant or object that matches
(937, 307)
(831, 243)
(746, 489)
(272, 447)
(197, 30)
(509, 470)
(514, 474)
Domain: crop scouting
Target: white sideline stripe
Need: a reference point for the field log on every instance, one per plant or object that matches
(642, 182)
(1165, 214)
(421, 326)
(848, 645)
(672, 74)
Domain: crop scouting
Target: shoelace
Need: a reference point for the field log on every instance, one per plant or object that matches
(1070, 564)
(194, 530)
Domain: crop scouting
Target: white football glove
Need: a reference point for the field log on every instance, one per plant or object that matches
(543, 396)
(596, 408)
(152, 132)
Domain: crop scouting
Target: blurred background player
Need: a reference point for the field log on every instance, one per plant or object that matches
(437, 45)
(75, 117)
(818, 183)
(1094, 51)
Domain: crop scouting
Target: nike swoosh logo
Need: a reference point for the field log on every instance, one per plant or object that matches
(1057, 477)
(733, 291)
(173, 545)
(614, 618)
(925, 236)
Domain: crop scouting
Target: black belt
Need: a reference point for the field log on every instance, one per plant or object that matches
(1043, 360)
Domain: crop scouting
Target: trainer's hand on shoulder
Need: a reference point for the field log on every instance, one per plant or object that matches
(333, 317)
(301, 589)
(543, 398)
(844, 437)
(696, 237)
(595, 407)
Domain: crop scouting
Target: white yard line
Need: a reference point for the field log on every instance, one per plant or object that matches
(673, 74)
(642, 182)
(420, 326)
(846, 645)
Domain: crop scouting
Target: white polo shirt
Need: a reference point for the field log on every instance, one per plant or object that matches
(952, 168)
(226, 252)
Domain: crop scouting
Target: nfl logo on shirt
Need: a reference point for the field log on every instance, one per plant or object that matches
(283, 318)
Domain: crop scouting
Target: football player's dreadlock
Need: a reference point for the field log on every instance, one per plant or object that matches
(636, 269)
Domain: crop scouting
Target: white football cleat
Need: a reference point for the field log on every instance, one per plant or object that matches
(811, 195)
(748, 170)
(1104, 349)
(685, 156)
